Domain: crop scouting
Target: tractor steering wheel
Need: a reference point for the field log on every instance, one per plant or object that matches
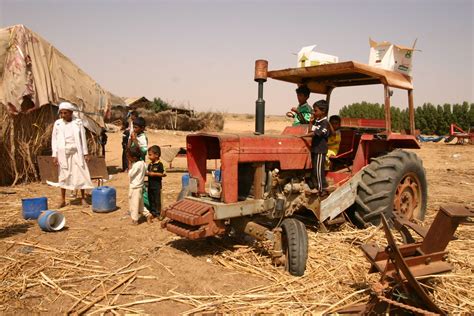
(290, 114)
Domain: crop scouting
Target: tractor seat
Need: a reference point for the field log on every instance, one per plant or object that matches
(347, 146)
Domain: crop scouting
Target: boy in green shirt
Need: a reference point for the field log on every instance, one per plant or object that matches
(304, 111)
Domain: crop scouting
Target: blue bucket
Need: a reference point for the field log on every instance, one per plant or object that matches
(217, 175)
(51, 221)
(31, 208)
(185, 180)
(104, 199)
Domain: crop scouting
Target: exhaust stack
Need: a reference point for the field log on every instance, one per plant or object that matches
(261, 68)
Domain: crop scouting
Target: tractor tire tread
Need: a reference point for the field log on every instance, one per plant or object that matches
(297, 243)
(376, 196)
(383, 176)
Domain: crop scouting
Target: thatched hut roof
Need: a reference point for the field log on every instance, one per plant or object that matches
(137, 102)
(33, 73)
(34, 77)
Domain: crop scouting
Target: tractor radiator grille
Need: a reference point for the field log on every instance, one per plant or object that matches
(192, 219)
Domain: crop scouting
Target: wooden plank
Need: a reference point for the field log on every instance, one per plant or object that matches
(411, 112)
(49, 172)
(258, 180)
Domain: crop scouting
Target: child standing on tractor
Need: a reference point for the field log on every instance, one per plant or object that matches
(156, 172)
(335, 139)
(302, 113)
(320, 130)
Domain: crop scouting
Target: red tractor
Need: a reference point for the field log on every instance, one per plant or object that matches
(262, 187)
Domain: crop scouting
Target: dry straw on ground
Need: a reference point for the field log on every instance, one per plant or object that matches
(34, 275)
(337, 276)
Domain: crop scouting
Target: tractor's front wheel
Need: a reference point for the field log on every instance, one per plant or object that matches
(393, 184)
(295, 246)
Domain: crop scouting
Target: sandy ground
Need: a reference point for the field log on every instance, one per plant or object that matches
(172, 265)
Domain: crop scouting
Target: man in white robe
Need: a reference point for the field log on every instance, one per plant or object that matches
(69, 146)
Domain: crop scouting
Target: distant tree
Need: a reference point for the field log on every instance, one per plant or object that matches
(461, 115)
(159, 105)
(363, 110)
(443, 124)
(376, 111)
(465, 114)
(471, 115)
(405, 119)
(428, 117)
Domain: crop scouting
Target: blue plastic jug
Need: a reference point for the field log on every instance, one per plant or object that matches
(185, 180)
(31, 208)
(104, 199)
(51, 221)
(184, 187)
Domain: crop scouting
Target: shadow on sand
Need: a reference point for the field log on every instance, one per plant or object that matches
(14, 229)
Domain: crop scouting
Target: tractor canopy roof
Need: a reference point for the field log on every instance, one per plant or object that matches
(323, 78)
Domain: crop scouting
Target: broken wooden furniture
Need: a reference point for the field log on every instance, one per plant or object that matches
(96, 165)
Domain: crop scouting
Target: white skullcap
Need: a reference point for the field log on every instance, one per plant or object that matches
(67, 106)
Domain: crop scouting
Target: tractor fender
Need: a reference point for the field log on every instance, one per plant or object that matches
(340, 199)
(403, 141)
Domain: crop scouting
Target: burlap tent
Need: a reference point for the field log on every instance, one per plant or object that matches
(34, 78)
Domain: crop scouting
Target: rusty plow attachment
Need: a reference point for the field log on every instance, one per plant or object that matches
(398, 290)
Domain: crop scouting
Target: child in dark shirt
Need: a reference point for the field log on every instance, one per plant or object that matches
(156, 172)
(319, 146)
(103, 140)
(125, 136)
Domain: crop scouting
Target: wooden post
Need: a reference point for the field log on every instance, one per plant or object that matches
(388, 119)
(328, 95)
(411, 112)
(258, 180)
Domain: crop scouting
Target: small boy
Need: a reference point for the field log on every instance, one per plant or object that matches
(103, 140)
(131, 116)
(136, 174)
(156, 171)
(303, 111)
(319, 146)
(138, 137)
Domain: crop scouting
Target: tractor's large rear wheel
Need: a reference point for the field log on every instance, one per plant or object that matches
(393, 184)
(295, 246)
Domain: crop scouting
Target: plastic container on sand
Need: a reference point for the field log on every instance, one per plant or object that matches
(32, 207)
(104, 199)
(51, 221)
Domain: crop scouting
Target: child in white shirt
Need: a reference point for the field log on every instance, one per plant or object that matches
(136, 176)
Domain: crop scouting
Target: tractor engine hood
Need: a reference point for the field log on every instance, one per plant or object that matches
(290, 152)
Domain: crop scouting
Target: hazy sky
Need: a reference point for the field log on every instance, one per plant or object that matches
(202, 53)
